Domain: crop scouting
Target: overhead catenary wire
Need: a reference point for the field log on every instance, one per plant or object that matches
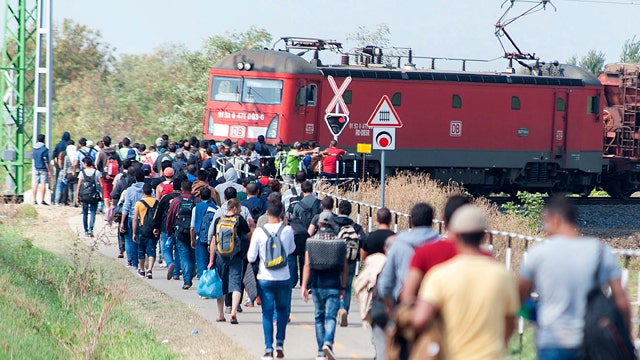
(614, 2)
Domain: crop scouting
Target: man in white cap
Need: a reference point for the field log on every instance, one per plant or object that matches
(475, 296)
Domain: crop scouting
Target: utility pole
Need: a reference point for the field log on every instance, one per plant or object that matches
(25, 62)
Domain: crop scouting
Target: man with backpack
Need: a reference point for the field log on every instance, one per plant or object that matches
(168, 243)
(108, 162)
(563, 271)
(88, 194)
(300, 215)
(295, 192)
(230, 194)
(351, 233)
(325, 273)
(256, 205)
(201, 220)
(270, 246)
(132, 195)
(84, 151)
(179, 226)
(226, 253)
(145, 212)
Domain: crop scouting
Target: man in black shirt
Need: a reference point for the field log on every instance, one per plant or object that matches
(374, 241)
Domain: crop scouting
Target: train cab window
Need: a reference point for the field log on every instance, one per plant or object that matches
(560, 105)
(396, 99)
(312, 94)
(592, 104)
(262, 91)
(515, 103)
(307, 95)
(347, 97)
(225, 89)
(301, 96)
(456, 101)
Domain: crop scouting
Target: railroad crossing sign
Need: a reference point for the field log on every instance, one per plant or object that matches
(384, 138)
(337, 104)
(384, 115)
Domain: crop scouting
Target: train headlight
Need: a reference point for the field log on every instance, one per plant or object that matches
(210, 123)
(272, 129)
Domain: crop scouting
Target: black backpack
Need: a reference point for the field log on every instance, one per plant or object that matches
(89, 192)
(350, 235)
(300, 223)
(183, 220)
(146, 229)
(255, 210)
(605, 334)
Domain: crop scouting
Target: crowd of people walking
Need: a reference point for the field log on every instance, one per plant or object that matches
(197, 205)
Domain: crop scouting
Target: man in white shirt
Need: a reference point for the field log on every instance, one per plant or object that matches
(274, 286)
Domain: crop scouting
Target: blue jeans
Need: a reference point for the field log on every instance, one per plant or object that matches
(147, 246)
(187, 255)
(170, 252)
(327, 302)
(274, 295)
(86, 209)
(130, 247)
(296, 264)
(347, 292)
(202, 257)
(559, 354)
(60, 186)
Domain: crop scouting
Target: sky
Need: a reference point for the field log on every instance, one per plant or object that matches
(442, 28)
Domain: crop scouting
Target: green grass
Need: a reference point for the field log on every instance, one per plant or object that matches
(57, 309)
(528, 351)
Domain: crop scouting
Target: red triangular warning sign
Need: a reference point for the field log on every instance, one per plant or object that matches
(384, 115)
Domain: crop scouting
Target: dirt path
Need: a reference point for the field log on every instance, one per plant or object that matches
(173, 322)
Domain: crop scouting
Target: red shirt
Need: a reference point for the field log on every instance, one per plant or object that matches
(329, 161)
(429, 255)
(432, 254)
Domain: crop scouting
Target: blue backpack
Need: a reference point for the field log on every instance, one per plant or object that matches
(207, 219)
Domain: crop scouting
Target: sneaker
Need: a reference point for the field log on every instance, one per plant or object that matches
(44, 203)
(121, 255)
(239, 308)
(343, 318)
(129, 263)
(176, 278)
(279, 352)
(321, 356)
(186, 286)
(141, 272)
(149, 275)
(227, 309)
(268, 355)
(328, 351)
(170, 271)
(90, 234)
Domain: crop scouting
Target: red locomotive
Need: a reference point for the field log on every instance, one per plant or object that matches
(553, 128)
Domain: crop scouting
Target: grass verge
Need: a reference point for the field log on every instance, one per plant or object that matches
(55, 308)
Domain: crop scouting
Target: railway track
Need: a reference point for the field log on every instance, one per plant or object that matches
(500, 200)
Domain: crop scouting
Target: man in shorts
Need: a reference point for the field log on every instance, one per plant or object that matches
(41, 169)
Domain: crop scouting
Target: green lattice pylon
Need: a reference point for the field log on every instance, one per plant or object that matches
(17, 72)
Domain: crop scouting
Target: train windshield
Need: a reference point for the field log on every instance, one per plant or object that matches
(226, 89)
(255, 91)
(260, 91)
